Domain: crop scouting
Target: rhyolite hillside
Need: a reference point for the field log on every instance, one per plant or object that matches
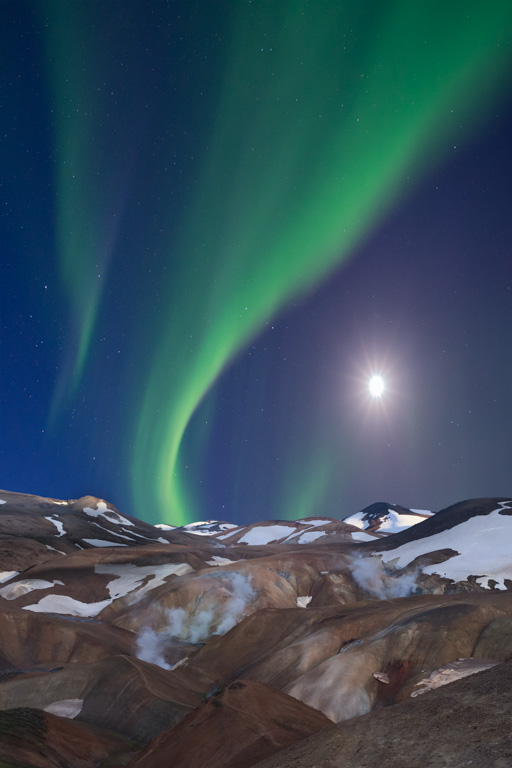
(312, 642)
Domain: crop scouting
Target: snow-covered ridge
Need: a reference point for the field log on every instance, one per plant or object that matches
(311, 529)
(387, 518)
(207, 527)
(482, 544)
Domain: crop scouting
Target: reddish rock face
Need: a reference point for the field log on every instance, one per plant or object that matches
(466, 723)
(222, 649)
(35, 739)
(263, 719)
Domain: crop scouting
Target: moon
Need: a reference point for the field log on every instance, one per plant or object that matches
(376, 386)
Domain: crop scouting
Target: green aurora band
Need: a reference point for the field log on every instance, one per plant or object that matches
(90, 170)
(328, 113)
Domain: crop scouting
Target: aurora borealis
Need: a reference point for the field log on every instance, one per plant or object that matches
(223, 218)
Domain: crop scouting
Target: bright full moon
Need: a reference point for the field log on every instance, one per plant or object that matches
(376, 386)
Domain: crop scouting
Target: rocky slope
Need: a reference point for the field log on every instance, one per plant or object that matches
(464, 724)
(216, 645)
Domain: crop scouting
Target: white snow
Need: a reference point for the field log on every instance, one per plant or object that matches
(130, 577)
(264, 534)
(209, 528)
(315, 523)
(2, 501)
(162, 540)
(217, 560)
(58, 525)
(394, 522)
(103, 543)
(355, 520)
(55, 550)
(362, 536)
(67, 606)
(484, 544)
(104, 511)
(69, 708)
(113, 533)
(138, 535)
(224, 535)
(165, 527)
(20, 588)
(303, 601)
(189, 526)
(310, 536)
(456, 670)
(6, 575)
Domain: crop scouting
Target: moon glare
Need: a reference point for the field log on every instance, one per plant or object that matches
(376, 386)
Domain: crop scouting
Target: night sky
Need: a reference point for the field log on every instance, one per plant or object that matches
(220, 219)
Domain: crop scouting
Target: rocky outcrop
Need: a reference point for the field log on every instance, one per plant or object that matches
(466, 723)
(239, 724)
(30, 738)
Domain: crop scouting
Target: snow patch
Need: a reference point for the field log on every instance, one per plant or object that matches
(6, 575)
(483, 544)
(138, 535)
(67, 606)
(310, 536)
(57, 524)
(2, 501)
(315, 523)
(456, 670)
(208, 528)
(113, 533)
(130, 577)
(362, 536)
(303, 601)
(263, 534)
(103, 543)
(69, 708)
(55, 550)
(109, 514)
(355, 520)
(394, 522)
(217, 560)
(165, 527)
(20, 588)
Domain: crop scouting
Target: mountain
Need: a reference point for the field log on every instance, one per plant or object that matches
(387, 518)
(218, 645)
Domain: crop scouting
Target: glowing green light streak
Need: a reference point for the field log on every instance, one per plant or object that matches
(314, 141)
(86, 182)
(305, 485)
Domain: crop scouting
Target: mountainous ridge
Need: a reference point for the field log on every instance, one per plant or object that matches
(121, 625)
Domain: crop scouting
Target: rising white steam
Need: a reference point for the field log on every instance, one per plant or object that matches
(370, 575)
(197, 625)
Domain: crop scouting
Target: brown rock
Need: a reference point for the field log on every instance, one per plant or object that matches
(238, 726)
(30, 738)
(467, 723)
(126, 695)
